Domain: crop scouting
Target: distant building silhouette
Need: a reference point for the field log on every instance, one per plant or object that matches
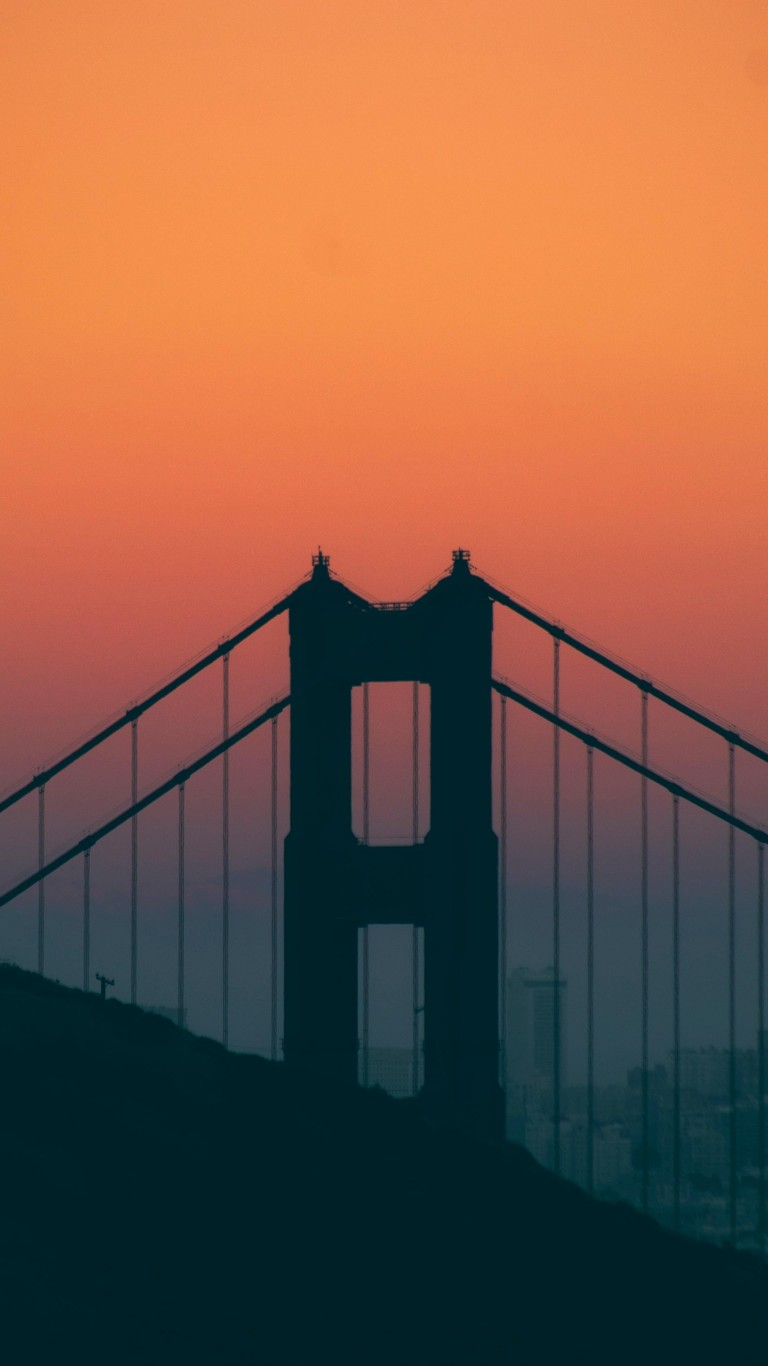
(530, 1044)
(704, 1070)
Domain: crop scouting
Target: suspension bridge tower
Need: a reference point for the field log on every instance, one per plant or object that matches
(334, 884)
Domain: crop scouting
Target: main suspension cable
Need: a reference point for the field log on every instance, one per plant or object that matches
(619, 756)
(138, 708)
(641, 681)
(93, 836)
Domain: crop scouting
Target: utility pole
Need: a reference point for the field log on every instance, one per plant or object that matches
(105, 982)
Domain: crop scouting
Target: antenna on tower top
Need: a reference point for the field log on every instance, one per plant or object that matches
(320, 563)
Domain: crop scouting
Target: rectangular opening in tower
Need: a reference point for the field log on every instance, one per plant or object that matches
(390, 1014)
(390, 775)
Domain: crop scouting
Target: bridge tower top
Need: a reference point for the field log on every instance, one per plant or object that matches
(320, 565)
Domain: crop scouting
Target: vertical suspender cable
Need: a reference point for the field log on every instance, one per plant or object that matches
(86, 918)
(503, 894)
(416, 966)
(590, 969)
(676, 1115)
(180, 962)
(732, 1191)
(556, 1024)
(761, 1212)
(645, 1146)
(273, 930)
(366, 836)
(225, 856)
(134, 856)
(41, 883)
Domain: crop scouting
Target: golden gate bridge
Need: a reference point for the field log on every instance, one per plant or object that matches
(449, 883)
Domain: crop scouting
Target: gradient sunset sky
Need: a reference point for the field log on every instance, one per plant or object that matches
(393, 277)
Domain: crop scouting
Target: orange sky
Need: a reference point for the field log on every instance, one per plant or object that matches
(393, 276)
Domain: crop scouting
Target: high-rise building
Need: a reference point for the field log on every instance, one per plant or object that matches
(531, 1025)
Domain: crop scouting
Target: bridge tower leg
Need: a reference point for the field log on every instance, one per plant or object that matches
(448, 884)
(320, 988)
(461, 1032)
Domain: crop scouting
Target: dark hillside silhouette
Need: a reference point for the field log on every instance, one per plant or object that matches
(165, 1201)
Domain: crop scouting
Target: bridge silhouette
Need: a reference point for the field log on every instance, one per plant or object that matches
(449, 883)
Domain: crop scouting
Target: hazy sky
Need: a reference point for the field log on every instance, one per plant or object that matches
(392, 277)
